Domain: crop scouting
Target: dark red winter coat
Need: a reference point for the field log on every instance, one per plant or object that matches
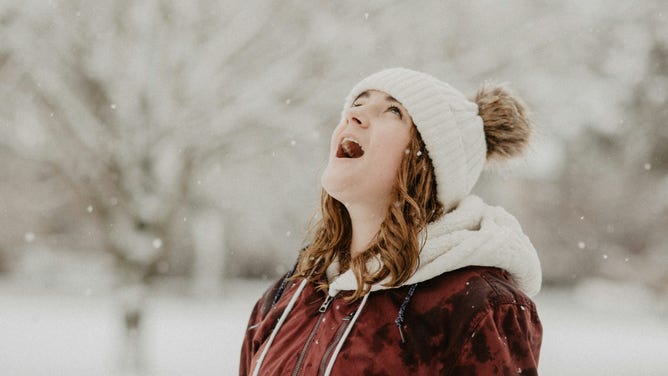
(471, 321)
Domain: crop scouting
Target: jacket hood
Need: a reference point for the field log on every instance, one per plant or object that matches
(474, 234)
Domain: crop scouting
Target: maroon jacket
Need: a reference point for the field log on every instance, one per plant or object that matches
(471, 321)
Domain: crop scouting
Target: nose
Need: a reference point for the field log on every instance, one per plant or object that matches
(356, 117)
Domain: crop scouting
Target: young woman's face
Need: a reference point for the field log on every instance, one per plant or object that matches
(367, 148)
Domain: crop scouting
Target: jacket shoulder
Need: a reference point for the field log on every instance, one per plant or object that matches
(477, 287)
(499, 328)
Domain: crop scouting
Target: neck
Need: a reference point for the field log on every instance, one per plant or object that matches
(366, 221)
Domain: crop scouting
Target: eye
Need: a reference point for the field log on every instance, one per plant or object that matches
(395, 110)
(355, 104)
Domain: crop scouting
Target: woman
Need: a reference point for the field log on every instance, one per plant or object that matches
(408, 273)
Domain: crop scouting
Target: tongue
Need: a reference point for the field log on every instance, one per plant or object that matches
(352, 149)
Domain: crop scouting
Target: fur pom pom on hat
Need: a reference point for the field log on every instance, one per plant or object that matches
(459, 134)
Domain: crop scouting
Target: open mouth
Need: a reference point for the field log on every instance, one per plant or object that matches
(349, 148)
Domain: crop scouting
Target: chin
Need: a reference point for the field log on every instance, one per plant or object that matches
(338, 186)
(332, 186)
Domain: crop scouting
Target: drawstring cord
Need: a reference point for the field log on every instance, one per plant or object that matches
(402, 311)
(284, 316)
(332, 359)
(286, 279)
(399, 322)
(281, 289)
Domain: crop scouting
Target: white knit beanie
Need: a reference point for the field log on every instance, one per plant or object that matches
(447, 121)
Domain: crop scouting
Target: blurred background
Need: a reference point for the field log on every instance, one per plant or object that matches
(160, 163)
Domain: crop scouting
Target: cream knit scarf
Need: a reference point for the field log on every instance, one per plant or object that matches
(473, 234)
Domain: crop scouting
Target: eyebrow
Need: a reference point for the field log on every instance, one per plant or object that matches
(387, 97)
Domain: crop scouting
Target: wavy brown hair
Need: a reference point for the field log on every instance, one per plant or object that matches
(414, 204)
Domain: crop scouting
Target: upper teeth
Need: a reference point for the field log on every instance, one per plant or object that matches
(349, 139)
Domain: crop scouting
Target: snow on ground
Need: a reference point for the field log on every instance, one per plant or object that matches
(44, 333)
(600, 334)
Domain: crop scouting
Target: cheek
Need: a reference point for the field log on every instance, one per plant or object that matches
(390, 152)
(394, 146)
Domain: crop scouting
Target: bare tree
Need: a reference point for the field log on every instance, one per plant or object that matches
(131, 105)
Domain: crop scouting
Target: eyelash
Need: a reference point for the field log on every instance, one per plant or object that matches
(394, 109)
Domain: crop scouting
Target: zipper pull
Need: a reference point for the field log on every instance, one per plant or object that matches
(325, 304)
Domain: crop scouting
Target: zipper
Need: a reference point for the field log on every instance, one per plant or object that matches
(335, 341)
(325, 304)
(322, 310)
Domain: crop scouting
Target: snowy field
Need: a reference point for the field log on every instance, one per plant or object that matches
(594, 330)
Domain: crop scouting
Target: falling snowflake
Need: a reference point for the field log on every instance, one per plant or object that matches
(29, 237)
